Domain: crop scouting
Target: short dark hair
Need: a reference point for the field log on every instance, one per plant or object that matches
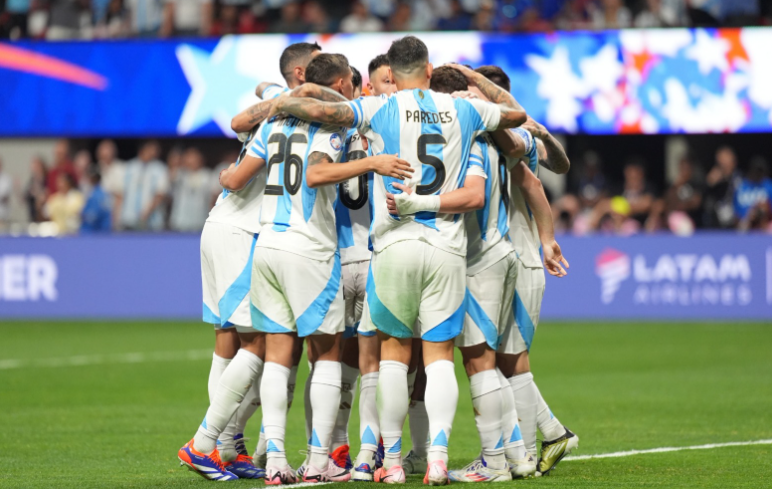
(326, 68)
(377, 62)
(446, 79)
(357, 78)
(496, 75)
(408, 54)
(298, 53)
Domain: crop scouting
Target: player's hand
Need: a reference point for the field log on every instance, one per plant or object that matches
(553, 258)
(469, 73)
(391, 202)
(276, 106)
(536, 129)
(226, 172)
(392, 166)
(464, 94)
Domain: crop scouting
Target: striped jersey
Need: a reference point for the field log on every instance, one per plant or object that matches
(242, 209)
(295, 217)
(273, 91)
(353, 209)
(522, 226)
(433, 132)
(487, 229)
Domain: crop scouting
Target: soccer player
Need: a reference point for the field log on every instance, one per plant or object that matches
(527, 232)
(380, 80)
(417, 271)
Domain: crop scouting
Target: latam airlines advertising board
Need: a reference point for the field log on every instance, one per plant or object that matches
(609, 82)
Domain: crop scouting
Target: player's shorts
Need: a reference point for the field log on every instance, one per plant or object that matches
(489, 296)
(354, 276)
(529, 292)
(296, 294)
(412, 280)
(226, 274)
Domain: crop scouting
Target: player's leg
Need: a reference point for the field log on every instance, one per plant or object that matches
(369, 427)
(418, 419)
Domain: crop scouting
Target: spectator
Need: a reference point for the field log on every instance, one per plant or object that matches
(6, 190)
(458, 20)
(753, 197)
(235, 18)
(638, 193)
(187, 18)
(316, 18)
(66, 19)
(191, 196)
(722, 183)
(532, 21)
(485, 19)
(146, 184)
(113, 22)
(96, 215)
(682, 202)
(82, 164)
(18, 16)
(146, 16)
(738, 13)
(400, 19)
(575, 15)
(360, 20)
(592, 183)
(110, 168)
(289, 21)
(65, 205)
(612, 15)
(704, 13)
(661, 13)
(36, 193)
(62, 164)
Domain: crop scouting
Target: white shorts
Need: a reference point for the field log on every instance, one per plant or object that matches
(354, 276)
(412, 280)
(529, 292)
(226, 274)
(296, 294)
(489, 297)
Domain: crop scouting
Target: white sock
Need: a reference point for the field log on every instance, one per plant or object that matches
(291, 383)
(411, 382)
(219, 364)
(225, 443)
(261, 444)
(392, 409)
(486, 400)
(369, 428)
(441, 401)
(273, 392)
(308, 411)
(533, 412)
(325, 399)
(419, 427)
(348, 386)
(234, 383)
(245, 411)
(514, 447)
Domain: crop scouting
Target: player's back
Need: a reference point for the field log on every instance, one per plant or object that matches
(353, 209)
(295, 217)
(434, 133)
(522, 226)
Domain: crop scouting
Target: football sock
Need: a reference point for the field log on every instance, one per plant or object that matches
(392, 409)
(225, 441)
(273, 392)
(261, 442)
(325, 399)
(514, 446)
(348, 386)
(419, 427)
(411, 382)
(234, 383)
(533, 412)
(369, 428)
(308, 411)
(291, 382)
(441, 401)
(486, 400)
(219, 364)
(248, 407)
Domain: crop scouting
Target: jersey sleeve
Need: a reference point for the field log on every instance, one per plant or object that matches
(329, 143)
(476, 164)
(364, 109)
(488, 115)
(257, 148)
(273, 91)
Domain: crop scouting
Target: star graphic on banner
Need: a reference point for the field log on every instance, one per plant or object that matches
(560, 87)
(709, 52)
(217, 86)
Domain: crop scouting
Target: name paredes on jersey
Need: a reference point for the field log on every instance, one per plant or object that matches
(428, 117)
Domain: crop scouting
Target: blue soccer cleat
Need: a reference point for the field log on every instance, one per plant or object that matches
(207, 466)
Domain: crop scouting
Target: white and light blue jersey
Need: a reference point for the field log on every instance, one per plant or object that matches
(273, 91)
(242, 209)
(295, 217)
(434, 133)
(353, 212)
(522, 226)
(487, 229)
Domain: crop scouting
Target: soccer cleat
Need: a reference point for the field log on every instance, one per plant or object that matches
(478, 471)
(244, 468)
(336, 473)
(259, 460)
(342, 458)
(365, 466)
(436, 473)
(552, 452)
(312, 475)
(301, 472)
(523, 468)
(395, 475)
(380, 453)
(207, 466)
(414, 464)
(275, 476)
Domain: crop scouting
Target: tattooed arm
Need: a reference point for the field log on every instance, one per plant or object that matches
(552, 156)
(249, 118)
(323, 171)
(309, 109)
(512, 113)
(318, 92)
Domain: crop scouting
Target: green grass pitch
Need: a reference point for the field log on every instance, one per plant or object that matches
(119, 424)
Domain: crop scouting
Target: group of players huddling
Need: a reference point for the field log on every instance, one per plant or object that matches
(384, 230)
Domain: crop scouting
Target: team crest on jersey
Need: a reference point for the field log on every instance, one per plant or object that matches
(336, 142)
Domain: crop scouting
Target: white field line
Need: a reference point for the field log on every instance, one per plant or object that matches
(669, 449)
(105, 359)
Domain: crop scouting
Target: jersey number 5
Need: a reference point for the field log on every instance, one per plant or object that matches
(439, 167)
(285, 155)
(345, 196)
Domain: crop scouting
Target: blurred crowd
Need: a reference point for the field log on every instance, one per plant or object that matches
(99, 19)
(100, 193)
(725, 197)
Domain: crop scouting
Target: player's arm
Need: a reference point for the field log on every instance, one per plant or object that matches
(254, 115)
(309, 109)
(323, 171)
(534, 195)
(552, 156)
(235, 177)
(512, 113)
(262, 86)
(470, 197)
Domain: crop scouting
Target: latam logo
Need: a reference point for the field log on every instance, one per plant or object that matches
(28, 278)
(678, 279)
